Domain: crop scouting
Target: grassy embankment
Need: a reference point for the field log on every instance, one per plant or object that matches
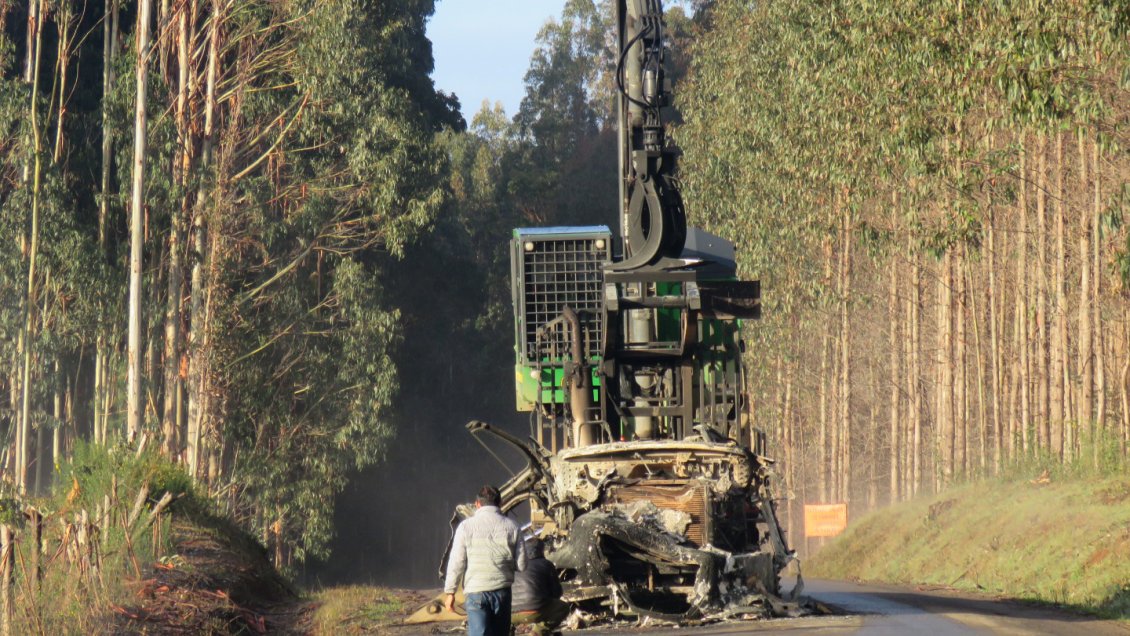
(157, 556)
(1062, 540)
(129, 546)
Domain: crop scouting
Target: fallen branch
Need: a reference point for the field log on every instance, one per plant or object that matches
(163, 503)
(142, 496)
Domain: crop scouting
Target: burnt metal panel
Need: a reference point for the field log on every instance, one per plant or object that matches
(691, 498)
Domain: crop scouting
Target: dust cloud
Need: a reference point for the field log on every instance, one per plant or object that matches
(393, 519)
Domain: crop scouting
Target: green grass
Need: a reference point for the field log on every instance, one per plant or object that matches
(1065, 542)
(355, 609)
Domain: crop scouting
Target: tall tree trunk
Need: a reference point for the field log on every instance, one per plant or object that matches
(40, 450)
(64, 21)
(916, 368)
(944, 435)
(1060, 444)
(960, 398)
(60, 400)
(939, 419)
(1024, 282)
(1043, 377)
(11, 455)
(1124, 380)
(906, 448)
(24, 434)
(779, 386)
(1086, 371)
(1010, 415)
(836, 478)
(173, 386)
(197, 367)
(1097, 335)
(46, 459)
(994, 342)
(825, 384)
(871, 459)
(11, 372)
(154, 349)
(845, 352)
(137, 237)
(802, 494)
(1008, 451)
(792, 452)
(34, 26)
(164, 26)
(981, 382)
(101, 356)
(893, 368)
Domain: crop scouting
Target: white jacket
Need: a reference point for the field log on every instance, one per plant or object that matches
(486, 551)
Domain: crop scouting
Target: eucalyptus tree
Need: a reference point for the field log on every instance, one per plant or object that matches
(329, 171)
(100, 402)
(134, 353)
(47, 270)
(287, 173)
(564, 122)
(912, 123)
(34, 157)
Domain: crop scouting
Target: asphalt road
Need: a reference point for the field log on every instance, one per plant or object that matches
(878, 610)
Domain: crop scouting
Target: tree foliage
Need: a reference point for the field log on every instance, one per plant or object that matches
(306, 163)
(942, 172)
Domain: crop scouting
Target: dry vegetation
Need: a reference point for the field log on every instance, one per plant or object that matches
(361, 609)
(125, 545)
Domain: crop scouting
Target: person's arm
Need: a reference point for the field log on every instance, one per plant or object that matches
(555, 590)
(456, 567)
(519, 551)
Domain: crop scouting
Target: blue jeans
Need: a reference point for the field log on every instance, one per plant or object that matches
(488, 613)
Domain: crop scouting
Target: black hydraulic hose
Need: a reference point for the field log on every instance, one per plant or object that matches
(620, 67)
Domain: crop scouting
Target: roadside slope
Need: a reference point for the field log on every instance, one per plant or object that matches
(215, 579)
(125, 544)
(1065, 542)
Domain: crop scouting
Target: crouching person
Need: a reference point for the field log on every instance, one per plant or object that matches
(537, 593)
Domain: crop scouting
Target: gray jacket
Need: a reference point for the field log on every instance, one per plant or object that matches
(535, 586)
(485, 552)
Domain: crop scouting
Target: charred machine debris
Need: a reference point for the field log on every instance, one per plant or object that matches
(644, 473)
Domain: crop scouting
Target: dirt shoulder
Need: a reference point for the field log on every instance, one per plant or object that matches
(217, 581)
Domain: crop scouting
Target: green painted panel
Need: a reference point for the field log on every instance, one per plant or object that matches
(526, 385)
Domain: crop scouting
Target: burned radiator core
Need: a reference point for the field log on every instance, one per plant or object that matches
(692, 499)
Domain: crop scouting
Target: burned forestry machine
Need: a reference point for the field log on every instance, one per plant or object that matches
(645, 476)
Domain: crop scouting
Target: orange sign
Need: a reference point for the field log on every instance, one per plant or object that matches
(824, 520)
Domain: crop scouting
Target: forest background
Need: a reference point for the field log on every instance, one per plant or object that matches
(310, 240)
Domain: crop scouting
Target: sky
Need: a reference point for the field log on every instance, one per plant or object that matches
(482, 48)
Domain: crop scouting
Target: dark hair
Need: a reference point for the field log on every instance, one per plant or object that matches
(535, 548)
(488, 496)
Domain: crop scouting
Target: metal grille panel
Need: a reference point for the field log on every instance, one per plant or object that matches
(555, 273)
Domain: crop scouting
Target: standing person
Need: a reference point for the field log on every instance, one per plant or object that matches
(485, 553)
(537, 592)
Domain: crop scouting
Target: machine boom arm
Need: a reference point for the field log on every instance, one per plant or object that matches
(653, 223)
